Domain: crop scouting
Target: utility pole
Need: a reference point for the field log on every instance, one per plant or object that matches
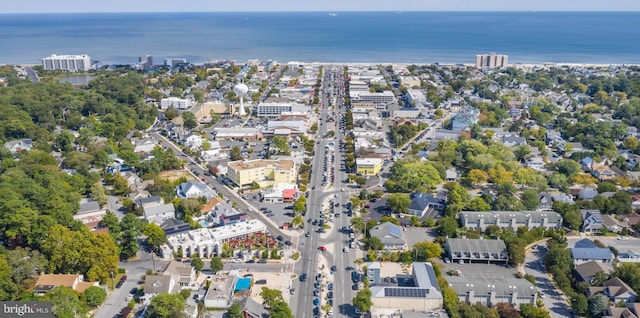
(113, 286)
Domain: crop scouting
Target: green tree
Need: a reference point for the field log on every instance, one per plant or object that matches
(65, 302)
(216, 264)
(399, 202)
(530, 199)
(297, 221)
(270, 296)
(300, 205)
(189, 120)
(234, 154)
(363, 300)
(374, 243)
(426, 250)
(165, 305)
(235, 311)
(597, 304)
(95, 296)
(280, 309)
(155, 236)
(447, 226)
(197, 263)
(98, 194)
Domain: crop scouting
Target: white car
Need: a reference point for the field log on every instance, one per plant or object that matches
(345, 249)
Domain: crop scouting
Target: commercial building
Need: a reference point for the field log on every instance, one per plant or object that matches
(368, 166)
(264, 172)
(206, 242)
(385, 97)
(220, 293)
(423, 296)
(274, 110)
(390, 235)
(510, 219)
(70, 63)
(466, 250)
(490, 291)
(492, 60)
(373, 272)
(175, 102)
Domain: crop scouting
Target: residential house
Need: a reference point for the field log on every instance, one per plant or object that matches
(587, 193)
(425, 296)
(252, 309)
(586, 251)
(172, 226)
(476, 250)
(47, 282)
(158, 214)
(585, 272)
(612, 224)
(591, 221)
(425, 204)
(158, 284)
(451, 175)
(587, 164)
(510, 219)
(490, 291)
(183, 274)
(194, 189)
(616, 290)
(148, 202)
(630, 310)
(513, 140)
(391, 236)
(16, 146)
(193, 141)
(229, 219)
(603, 172)
(90, 213)
(144, 145)
(536, 163)
(465, 118)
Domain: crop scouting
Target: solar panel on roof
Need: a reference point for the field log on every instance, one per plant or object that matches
(395, 231)
(406, 292)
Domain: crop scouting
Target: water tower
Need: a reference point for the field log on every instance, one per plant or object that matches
(241, 90)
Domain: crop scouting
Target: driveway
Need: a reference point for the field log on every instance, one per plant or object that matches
(554, 298)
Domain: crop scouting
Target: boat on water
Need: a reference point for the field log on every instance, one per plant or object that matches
(332, 14)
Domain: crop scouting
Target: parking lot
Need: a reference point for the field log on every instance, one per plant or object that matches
(481, 270)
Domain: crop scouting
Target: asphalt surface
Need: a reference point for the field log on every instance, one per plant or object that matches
(302, 302)
(553, 298)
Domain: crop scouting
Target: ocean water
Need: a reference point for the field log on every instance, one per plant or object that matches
(366, 37)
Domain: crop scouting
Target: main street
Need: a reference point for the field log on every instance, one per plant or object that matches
(302, 303)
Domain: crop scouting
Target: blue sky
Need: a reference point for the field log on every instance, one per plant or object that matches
(31, 6)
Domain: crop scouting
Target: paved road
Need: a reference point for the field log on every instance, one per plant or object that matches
(135, 270)
(302, 302)
(553, 298)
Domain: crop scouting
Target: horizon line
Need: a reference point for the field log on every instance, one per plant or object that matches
(343, 11)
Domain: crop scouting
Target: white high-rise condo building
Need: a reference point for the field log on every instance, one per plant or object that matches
(71, 63)
(492, 60)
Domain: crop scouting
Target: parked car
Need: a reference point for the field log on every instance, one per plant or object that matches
(262, 261)
(303, 277)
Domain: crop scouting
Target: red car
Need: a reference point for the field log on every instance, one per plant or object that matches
(322, 248)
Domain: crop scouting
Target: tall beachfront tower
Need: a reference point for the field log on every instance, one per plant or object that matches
(241, 89)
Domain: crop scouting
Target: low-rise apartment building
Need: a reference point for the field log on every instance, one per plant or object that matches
(264, 172)
(510, 219)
